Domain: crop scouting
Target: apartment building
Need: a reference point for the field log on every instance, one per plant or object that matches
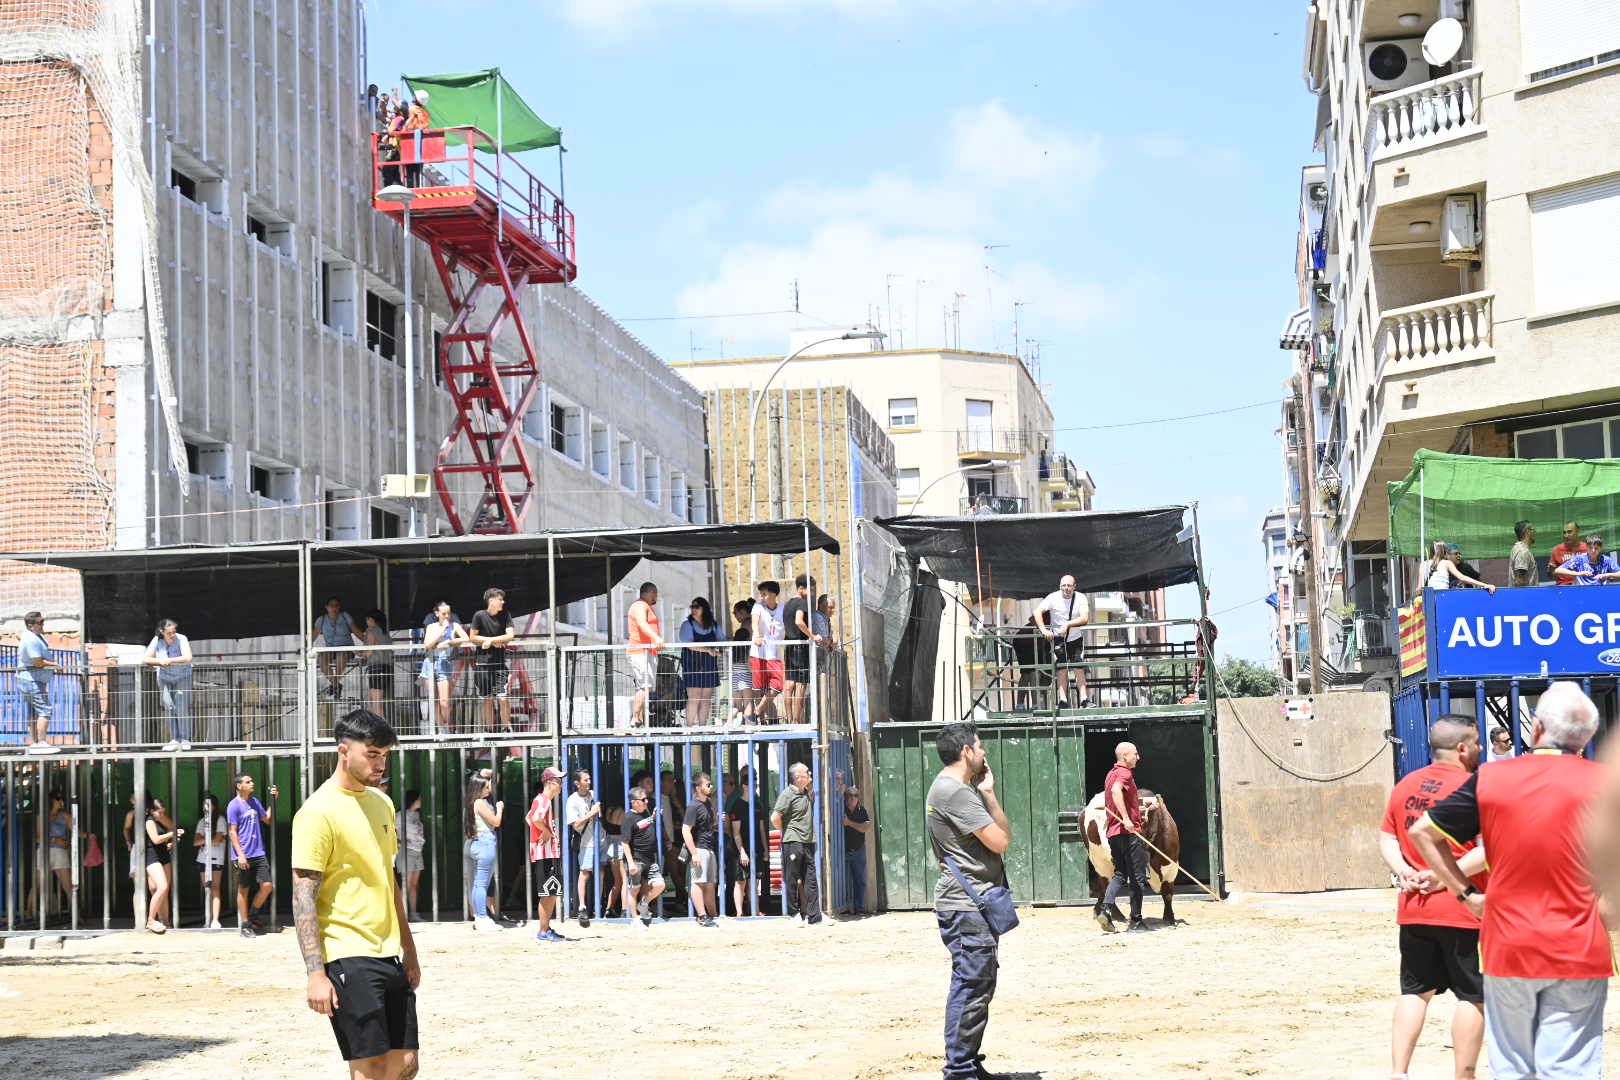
(1461, 293)
(276, 400)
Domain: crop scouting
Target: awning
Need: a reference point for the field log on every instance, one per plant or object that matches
(1473, 502)
(485, 100)
(252, 590)
(1297, 330)
(1024, 555)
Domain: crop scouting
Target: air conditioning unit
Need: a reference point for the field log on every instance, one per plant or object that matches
(1459, 229)
(1394, 65)
(407, 486)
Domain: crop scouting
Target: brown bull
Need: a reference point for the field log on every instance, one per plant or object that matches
(1158, 829)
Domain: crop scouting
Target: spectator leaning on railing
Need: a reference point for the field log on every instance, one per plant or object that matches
(1593, 566)
(34, 667)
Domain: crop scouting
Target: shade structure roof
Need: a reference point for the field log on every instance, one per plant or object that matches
(1024, 555)
(252, 590)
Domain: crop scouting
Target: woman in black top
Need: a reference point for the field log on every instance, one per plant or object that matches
(160, 837)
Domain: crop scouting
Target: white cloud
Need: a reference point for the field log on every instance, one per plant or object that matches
(901, 248)
(1006, 150)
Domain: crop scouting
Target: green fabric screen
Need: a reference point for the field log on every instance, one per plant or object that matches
(1473, 502)
(484, 99)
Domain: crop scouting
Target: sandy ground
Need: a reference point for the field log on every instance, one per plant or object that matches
(1261, 986)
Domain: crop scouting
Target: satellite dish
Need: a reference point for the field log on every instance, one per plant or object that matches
(1442, 42)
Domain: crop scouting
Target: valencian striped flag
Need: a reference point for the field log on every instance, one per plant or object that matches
(1414, 638)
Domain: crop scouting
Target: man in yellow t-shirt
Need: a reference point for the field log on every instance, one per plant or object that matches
(348, 910)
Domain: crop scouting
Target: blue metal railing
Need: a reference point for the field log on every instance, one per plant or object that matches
(66, 695)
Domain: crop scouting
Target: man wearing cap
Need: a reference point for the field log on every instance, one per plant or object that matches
(643, 877)
(857, 823)
(545, 852)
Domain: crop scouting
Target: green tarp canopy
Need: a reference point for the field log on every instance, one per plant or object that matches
(487, 101)
(1473, 502)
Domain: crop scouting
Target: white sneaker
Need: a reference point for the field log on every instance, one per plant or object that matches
(41, 748)
(171, 746)
(184, 745)
(798, 921)
(485, 924)
(215, 925)
(156, 927)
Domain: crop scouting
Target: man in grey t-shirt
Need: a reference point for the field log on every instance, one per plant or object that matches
(966, 823)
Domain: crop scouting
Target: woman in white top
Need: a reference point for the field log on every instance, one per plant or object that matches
(1438, 571)
(482, 819)
(170, 653)
(443, 636)
(210, 845)
(411, 842)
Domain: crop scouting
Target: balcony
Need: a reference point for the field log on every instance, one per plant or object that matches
(1434, 112)
(994, 504)
(992, 444)
(1435, 334)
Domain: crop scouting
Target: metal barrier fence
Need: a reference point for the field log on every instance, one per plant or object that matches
(700, 686)
(111, 706)
(451, 693)
(1017, 670)
(1493, 703)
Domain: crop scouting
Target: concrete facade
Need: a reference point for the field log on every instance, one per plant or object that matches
(1424, 332)
(282, 292)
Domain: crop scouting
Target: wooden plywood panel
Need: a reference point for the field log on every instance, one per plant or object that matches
(1284, 832)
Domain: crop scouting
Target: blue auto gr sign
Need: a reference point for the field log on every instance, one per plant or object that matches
(1572, 630)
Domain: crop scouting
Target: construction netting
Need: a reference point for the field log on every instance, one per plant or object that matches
(70, 124)
(1473, 502)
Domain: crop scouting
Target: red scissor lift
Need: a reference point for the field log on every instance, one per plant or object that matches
(492, 228)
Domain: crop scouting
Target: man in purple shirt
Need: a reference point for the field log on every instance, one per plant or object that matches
(243, 819)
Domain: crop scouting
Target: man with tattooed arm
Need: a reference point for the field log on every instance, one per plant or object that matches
(349, 912)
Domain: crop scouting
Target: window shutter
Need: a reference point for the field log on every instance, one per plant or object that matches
(1574, 232)
(1558, 32)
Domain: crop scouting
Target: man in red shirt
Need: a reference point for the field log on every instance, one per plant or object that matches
(1572, 545)
(1124, 809)
(545, 852)
(1544, 948)
(1439, 937)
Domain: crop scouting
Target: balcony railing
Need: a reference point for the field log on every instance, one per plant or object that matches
(1441, 331)
(992, 444)
(1436, 111)
(994, 504)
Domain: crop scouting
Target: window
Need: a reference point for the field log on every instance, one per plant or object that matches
(385, 524)
(277, 483)
(679, 499)
(207, 192)
(185, 185)
(601, 450)
(272, 233)
(627, 464)
(980, 485)
(382, 326)
(698, 505)
(339, 289)
(208, 461)
(1557, 36)
(342, 510)
(980, 426)
(436, 361)
(908, 483)
(1573, 234)
(1585, 439)
(651, 488)
(565, 430)
(1369, 576)
(902, 412)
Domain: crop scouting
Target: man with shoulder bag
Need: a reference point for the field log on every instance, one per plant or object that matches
(970, 835)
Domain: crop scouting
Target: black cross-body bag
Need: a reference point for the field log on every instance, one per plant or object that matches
(995, 904)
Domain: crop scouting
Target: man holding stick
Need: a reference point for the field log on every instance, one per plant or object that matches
(1124, 809)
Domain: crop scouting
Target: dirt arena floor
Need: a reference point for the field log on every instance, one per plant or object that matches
(1261, 986)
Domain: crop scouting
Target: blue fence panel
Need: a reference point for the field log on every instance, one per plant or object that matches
(66, 694)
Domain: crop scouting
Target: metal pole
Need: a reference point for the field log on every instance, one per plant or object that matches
(42, 810)
(431, 833)
(11, 846)
(174, 845)
(410, 380)
(107, 849)
(137, 850)
(753, 416)
(554, 660)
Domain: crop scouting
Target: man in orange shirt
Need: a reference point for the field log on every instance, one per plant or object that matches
(1439, 937)
(646, 639)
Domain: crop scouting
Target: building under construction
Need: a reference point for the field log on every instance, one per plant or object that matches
(203, 311)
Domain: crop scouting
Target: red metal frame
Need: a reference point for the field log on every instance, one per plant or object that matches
(490, 225)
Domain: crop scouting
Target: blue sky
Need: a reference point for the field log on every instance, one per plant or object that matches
(1139, 163)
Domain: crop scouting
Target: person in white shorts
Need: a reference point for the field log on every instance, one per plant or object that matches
(209, 839)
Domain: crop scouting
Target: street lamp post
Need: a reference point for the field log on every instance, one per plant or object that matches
(753, 414)
(399, 193)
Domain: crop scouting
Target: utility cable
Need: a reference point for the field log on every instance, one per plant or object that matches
(1315, 778)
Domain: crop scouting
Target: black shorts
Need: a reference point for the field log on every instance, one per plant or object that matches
(547, 877)
(1441, 958)
(489, 680)
(257, 872)
(796, 671)
(376, 1009)
(380, 677)
(1068, 652)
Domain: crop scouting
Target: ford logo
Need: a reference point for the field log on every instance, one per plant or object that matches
(1609, 657)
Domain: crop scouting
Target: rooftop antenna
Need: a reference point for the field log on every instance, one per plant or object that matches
(888, 300)
(795, 296)
(1016, 339)
(990, 298)
(916, 311)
